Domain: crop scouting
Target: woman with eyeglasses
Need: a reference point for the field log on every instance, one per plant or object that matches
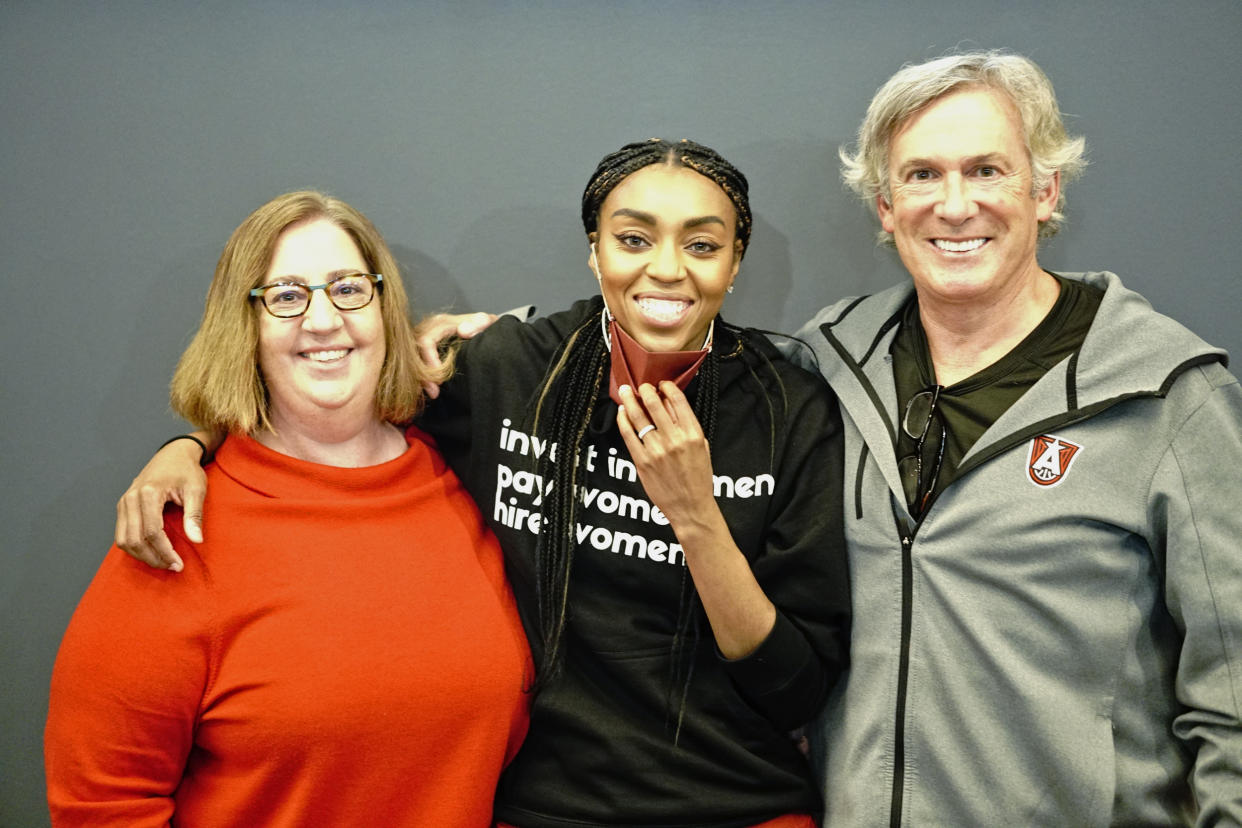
(667, 490)
(343, 647)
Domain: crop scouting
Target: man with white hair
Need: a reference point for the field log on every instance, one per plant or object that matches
(1042, 497)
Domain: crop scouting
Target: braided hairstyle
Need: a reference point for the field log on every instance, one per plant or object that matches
(569, 394)
(617, 166)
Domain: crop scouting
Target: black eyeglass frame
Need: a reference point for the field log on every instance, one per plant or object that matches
(260, 293)
(922, 494)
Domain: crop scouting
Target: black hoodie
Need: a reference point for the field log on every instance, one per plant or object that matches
(601, 747)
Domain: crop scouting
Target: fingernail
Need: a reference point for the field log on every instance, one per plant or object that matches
(625, 388)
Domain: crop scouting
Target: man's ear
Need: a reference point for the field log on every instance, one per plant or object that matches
(1046, 199)
(885, 211)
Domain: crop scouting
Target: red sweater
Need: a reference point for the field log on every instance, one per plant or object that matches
(343, 650)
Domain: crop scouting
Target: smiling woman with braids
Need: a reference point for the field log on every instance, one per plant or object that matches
(667, 491)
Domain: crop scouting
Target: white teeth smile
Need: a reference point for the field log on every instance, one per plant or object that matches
(325, 356)
(959, 246)
(662, 309)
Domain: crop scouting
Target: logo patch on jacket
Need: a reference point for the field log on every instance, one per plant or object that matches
(1050, 459)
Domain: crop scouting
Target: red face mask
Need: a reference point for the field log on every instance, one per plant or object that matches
(633, 365)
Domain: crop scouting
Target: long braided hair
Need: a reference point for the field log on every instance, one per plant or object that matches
(569, 394)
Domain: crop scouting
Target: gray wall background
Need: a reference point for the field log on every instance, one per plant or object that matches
(136, 136)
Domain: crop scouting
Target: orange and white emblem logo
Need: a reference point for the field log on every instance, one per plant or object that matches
(1050, 459)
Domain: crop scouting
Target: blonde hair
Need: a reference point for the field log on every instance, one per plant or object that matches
(218, 385)
(916, 86)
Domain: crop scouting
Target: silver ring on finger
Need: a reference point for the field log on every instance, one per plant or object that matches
(642, 432)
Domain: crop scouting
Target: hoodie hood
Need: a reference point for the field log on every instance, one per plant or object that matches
(1130, 351)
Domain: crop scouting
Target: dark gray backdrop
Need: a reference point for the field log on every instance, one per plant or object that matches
(136, 136)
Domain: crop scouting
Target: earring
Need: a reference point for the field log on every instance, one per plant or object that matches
(730, 290)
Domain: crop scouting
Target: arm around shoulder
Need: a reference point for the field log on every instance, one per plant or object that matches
(173, 475)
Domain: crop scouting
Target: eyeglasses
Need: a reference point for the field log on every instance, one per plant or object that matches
(349, 292)
(916, 423)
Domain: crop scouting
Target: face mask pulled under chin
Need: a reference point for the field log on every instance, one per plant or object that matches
(633, 365)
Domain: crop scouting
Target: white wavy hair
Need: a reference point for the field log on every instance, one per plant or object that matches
(916, 86)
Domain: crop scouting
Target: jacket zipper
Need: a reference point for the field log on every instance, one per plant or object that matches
(903, 671)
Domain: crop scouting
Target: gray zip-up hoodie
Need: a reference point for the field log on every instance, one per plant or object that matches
(1059, 640)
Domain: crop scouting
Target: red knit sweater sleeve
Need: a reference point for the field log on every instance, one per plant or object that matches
(125, 694)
